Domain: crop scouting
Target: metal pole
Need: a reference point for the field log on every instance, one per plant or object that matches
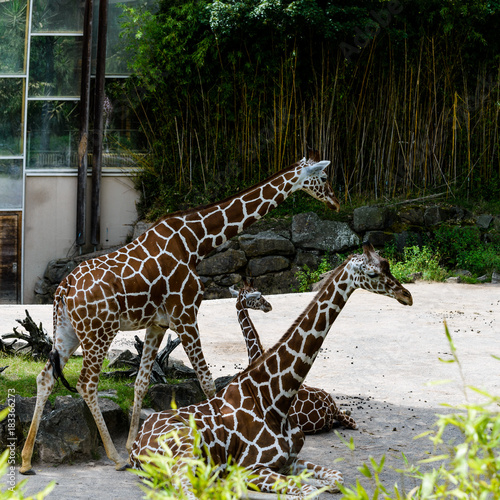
(81, 197)
(98, 123)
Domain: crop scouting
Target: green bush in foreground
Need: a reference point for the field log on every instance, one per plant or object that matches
(471, 469)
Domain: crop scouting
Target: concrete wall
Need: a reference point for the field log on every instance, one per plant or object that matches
(50, 220)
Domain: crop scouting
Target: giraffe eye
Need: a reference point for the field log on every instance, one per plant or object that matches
(372, 275)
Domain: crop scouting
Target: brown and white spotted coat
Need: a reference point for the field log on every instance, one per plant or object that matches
(249, 419)
(152, 283)
(314, 409)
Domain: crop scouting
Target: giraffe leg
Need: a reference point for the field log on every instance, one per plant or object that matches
(93, 357)
(267, 480)
(65, 343)
(321, 476)
(190, 337)
(152, 341)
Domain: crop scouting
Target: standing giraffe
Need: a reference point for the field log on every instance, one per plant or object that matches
(249, 420)
(314, 409)
(152, 283)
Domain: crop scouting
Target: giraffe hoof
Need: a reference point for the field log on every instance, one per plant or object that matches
(123, 467)
(29, 472)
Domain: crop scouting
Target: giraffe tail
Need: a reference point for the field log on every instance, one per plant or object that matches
(56, 369)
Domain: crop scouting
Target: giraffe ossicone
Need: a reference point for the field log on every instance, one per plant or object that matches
(152, 283)
(249, 419)
(314, 409)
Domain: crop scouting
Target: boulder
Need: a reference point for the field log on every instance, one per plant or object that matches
(67, 433)
(282, 282)
(378, 238)
(141, 227)
(184, 394)
(309, 231)
(269, 264)
(413, 216)
(372, 218)
(222, 263)
(484, 221)
(265, 243)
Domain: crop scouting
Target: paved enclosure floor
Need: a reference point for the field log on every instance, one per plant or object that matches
(378, 359)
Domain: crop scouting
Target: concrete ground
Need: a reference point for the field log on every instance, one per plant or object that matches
(379, 359)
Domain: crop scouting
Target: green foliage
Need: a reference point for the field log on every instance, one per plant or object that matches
(21, 375)
(416, 260)
(9, 491)
(471, 468)
(463, 248)
(229, 92)
(162, 473)
(307, 277)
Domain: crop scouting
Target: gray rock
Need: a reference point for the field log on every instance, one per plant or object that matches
(282, 282)
(407, 239)
(222, 263)
(453, 279)
(495, 277)
(310, 259)
(120, 360)
(184, 394)
(435, 214)
(57, 270)
(269, 264)
(265, 243)
(227, 279)
(414, 216)
(67, 433)
(378, 238)
(484, 221)
(115, 418)
(309, 231)
(372, 218)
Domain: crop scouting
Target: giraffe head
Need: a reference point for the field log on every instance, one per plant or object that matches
(314, 180)
(251, 298)
(371, 272)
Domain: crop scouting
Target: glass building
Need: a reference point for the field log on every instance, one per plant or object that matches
(40, 81)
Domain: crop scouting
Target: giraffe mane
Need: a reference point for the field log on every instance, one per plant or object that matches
(336, 272)
(188, 211)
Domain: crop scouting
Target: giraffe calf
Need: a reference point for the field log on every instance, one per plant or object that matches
(314, 409)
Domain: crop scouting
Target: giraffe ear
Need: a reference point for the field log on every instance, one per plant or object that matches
(317, 167)
(234, 292)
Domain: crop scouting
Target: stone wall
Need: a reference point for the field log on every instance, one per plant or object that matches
(271, 252)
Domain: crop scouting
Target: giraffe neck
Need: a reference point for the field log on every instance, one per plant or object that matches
(283, 368)
(252, 340)
(207, 228)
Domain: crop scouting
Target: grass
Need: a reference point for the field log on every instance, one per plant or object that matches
(22, 372)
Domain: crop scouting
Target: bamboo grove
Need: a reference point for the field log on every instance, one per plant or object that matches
(402, 97)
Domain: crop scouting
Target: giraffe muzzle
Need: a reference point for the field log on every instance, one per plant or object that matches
(404, 297)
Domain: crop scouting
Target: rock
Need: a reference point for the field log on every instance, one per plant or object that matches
(227, 279)
(184, 393)
(413, 216)
(265, 243)
(309, 231)
(453, 279)
(115, 418)
(120, 360)
(378, 238)
(414, 277)
(462, 272)
(269, 264)
(435, 214)
(495, 277)
(484, 221)
(222, 263)
(483, 279)
(310, 259)
(372, 218)
(282, 282)
(407, 239)
(58, 269)
(67, 433)
(496, 223)
(178, 370)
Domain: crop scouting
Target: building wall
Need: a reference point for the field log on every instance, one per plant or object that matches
(50, 220)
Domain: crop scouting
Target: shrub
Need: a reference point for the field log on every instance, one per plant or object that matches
(306, 277)
(416, 260)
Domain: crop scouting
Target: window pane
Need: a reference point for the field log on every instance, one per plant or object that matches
(55, 66)
(57, 16)
(11, 184)
(12, 36)
(11, 107)
(53, 134)
(123, 142)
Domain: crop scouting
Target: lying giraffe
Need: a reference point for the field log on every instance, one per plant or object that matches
(314, 409)
(152, 283)
(250, 419)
